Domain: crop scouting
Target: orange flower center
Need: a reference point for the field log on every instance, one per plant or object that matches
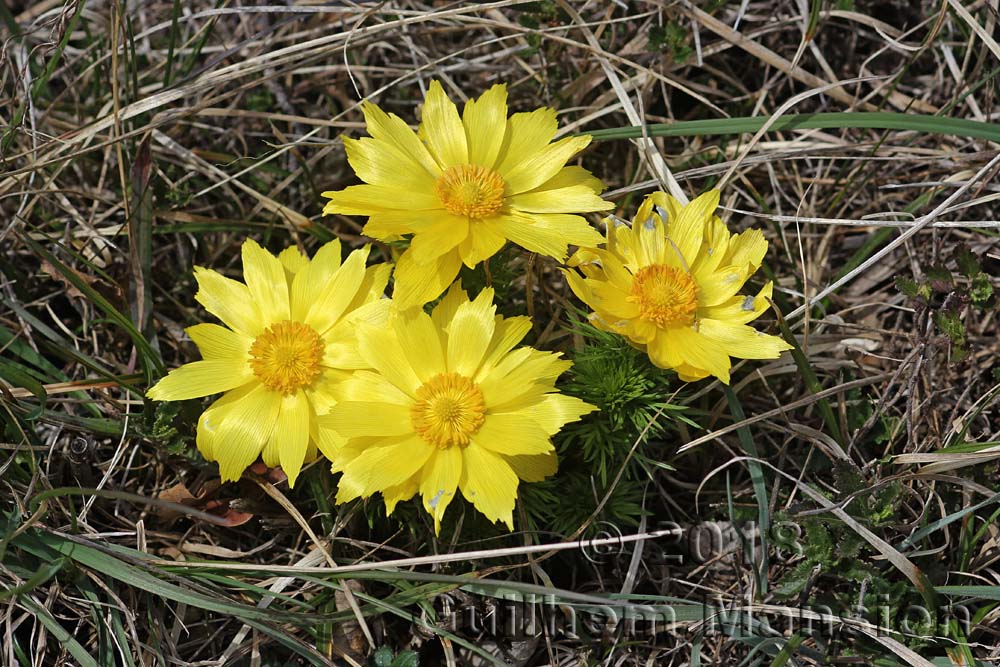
(666, 296)
(470, 190)
(286, 356)
(449, 410)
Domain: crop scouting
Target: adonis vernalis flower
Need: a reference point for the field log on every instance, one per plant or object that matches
(449, 405)
(669, 284)
(465, 185)
(289, 337)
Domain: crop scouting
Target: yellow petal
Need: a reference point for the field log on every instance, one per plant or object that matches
(381, 163)
(228, 300)
(469, 334)
(381, 467)
(441, 128)
(512, 434)
(485, 120)
(508, 332)
(291, 434)
(395, 494)
(314, 279)
(534, 468)
(208, 422)
(516, 374)
(293, 261)
(352, 419)
(369, 386)
(265, 276)
(201, 378)
(332, 302)
(244, 429)
(441, 236)
(489, 483)
(740, 309)
(534, 171)
(701, 352)
(445, 310)
(416, 284)
(322, 392)
(527, 135)
(215, 342)
(422, 344)
(548, 234)
(571, 199)
(438, 482)
(553, 411)
(484, 240)
(381, 349)
(742, 341)
(573, 175)
(663, 350)
(370, 199)
(721, 285)
(714, 249)
(397, 135)
(747, 250)
(688, 228)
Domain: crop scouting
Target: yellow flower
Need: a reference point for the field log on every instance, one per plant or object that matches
(464, 186)
(289, 337)
(669, 284)
(449, 405)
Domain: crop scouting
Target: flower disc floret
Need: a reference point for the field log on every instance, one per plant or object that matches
(470, 190)
(286, 356)
(449, 410)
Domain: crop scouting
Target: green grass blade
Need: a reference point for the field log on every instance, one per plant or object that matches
(875, 120)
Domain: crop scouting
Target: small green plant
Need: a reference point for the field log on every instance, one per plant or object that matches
(384, 657)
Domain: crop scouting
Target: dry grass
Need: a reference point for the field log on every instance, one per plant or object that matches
(140, 139)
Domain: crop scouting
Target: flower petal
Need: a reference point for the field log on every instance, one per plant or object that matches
(571, 199)
(354, 419)
(444, 312)
(485, 120)
(548, 234)
(369, 386)
(469, 334)
(291, 434)
(484, 240)
(701, 352)
(381, 467)
(382, 163)
(208, 422)
(397, 135)
(534, 171)
(332, 302)
(512, 434)
(439, 237)
(416, 284)
(314, 279)
(527, 136)
(552, 412)
(688, 228)
(421, 343)
(534, 468)
(228, 300)
(265, 276)
(441, 128)
(201, 378)
(293, 261)
(369, 199)
(489, 483)
(742, 341)
(395, 494)
(380, 347)
(215, 342)
(243, 431)
(438, 482)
